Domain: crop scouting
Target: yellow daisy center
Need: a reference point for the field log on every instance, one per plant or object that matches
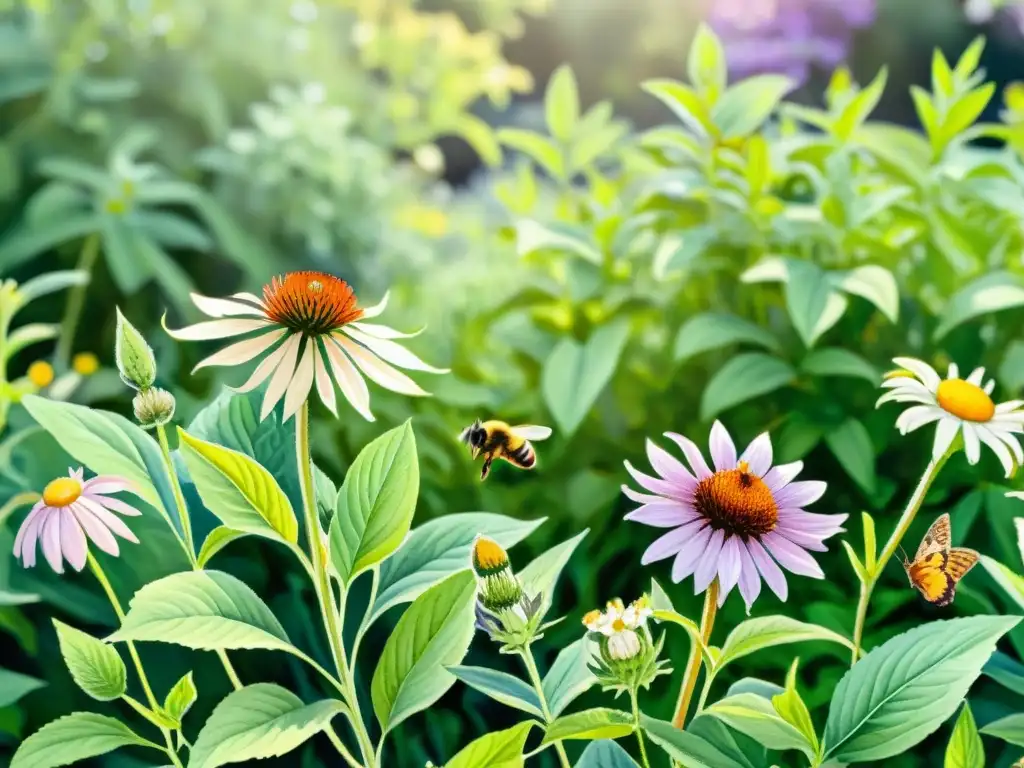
(618, 625)
(40, 373)
(488, 556)
(738, 502)
(62, 491)
(85, 363)
(965, 400)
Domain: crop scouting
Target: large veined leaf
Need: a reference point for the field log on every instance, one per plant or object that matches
(180, 698)
(812, 304)
(755, 716)
(215, 541)
(743, 378)
(500, 686)
(1009, 729)
(433, 633)
(501, 749)
(569, 676)
(540, 576)
(965, 749)
(14, 685)
(990, 293)
(874, 283)
(605, 753)
(687, 749)
(95, 666)
(598, 723)
(768, 631)
(744, 107)
(259, 721)
(574, 374)
(851, 444)
(714, 330)
(438, 549)
(375, 505)
(906, 688)
(238, 490)
(75, 737)
(1006, 671)
(207, 610)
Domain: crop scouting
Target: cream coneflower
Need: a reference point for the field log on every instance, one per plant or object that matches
(737, 523)
(962, 406)
(311, 329)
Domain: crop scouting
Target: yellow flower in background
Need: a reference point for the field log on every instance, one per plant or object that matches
(85, 363)
(40, 373)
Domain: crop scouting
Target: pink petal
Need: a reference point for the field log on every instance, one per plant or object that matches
(792, 557)
(32, 527)
(113, 523)
(391, 352)
(378, 370)
(216, 329)
(282, 376)
(31, 521)
(302, 381)
(773, 575)
(800, 493)
(95, 530)
(707, 567)
(805, 539)
(782, 475)
(721, 447)
(670, 468)
(823, 525)
(656, 485)
(750, 582)
(642, 498)
(692, 453)
(116, 505)
(72, 541)
(242, 351)
(78, 474)
(689, 554)
(664, 515)
(106, 484)
(759, 454)
(668, 544)
(51, 540)
(729, 566)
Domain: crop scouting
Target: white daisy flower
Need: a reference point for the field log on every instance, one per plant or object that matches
(620, 625)
(309, 328)
(963, 406)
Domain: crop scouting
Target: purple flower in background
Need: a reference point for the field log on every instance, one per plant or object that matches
(737, 523)
(786, 36)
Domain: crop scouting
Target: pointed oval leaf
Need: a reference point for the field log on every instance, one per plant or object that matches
(375, 505)
(812, 305)
(1010, 729)
(73, 738)
(768, 631)
(570, 675)
(597, 723)
(755, 716)
(965, 749)
(243, 494)
(851, 444)
(706, 63)
(501, 749)
(835, 361)
(714, 330)
(95, 666)
(540, 576)
(433, 633)
(688, 749)
(259, 721)
(744, 107)
(500, 686)
(1006, 671)
(874, 283)
(207, 610)
(743, 378)
(215, 541)
(605, 753)
(562, 104)
(181, 698)
(14, 685)
(903, 690)
(993, 292)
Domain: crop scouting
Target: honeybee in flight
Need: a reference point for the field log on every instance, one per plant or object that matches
(497, 440)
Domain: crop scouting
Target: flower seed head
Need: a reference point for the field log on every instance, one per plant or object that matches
(154, 407)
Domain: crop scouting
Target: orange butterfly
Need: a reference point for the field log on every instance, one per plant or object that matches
(937, 567)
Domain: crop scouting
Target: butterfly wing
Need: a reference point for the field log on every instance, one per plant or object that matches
(937, 539)
(928, 576)
(532, 431)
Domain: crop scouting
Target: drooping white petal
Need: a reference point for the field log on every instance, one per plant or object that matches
(390, 352)
(383, 332)
(324, 385)
(266, 367)
(246, 296)
(379, 371)
(216, 329)
(921, 369)
(944, 435)
(377, 309)
(917, 416)
(282, 376)
(998, 448)
(242, 351)
(301, 383)
(972, 446)
(224, 307)
(352, 385)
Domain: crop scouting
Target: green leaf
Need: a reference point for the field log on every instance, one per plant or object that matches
(439, 548)
(743, 378)
(903, 690)
(532, 236)
(1008, 672)
(688, 749)
(605, 753)
(570, 676)
(562, 104)
(871, 282)
(1010, 729)
(834, 361)
(859, 107)
(375, 505)
(538, 148)
(705, 62)
(926, 111)
(1011, 369)
(26, 242)
(1011, 583)
(51, 282)
(993, 292)
(684, 103)
(180, 698)
(75, 737)
(851, 444)
(215, 541)
(599, 723)
(790, 707)
(27, 335)
(963, 112)
(14, 685)
(541, 575)
(714, 330)
(501, 749)
(259, 721)
(242, 494)
(481, 137)
(95, 666)
(812, 305)
(755, 716)
(744, 107)
(433, 633)
(500, 686)
(965, 749)
(575, 374)
(206, 610)
(769, 631)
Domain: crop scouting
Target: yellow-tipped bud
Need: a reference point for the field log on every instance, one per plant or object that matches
(40, 373)
(488, 557)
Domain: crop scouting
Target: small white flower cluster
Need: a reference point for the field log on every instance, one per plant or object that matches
(620, 624)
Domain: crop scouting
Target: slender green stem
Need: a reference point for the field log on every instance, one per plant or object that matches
(342, 749)
(322, 584)
(902, 526)
(639, 731)
(531, 670)
(229, 669)
(179, 497)
(364, 622)
(707, 622)
(76, 300)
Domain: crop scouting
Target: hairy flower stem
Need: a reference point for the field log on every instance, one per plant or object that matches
(188, 544)
(868, 585)
(329, 612)
(531, 670)
(638, 730)
(707, 622)
(76, 301)
(101, 577)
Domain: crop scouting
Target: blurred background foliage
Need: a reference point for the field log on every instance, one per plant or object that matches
(624, 246)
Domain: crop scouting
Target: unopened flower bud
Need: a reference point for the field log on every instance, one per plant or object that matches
(135, 361)
(624, 645)
(501, 591)
(154, 407)
(488, 557)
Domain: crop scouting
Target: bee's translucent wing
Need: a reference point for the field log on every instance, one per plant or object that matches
(532, 431)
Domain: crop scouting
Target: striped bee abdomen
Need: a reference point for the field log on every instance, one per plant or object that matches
(523, 456)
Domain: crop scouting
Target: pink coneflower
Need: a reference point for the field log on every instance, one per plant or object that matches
(738, 523)
(71, 510)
